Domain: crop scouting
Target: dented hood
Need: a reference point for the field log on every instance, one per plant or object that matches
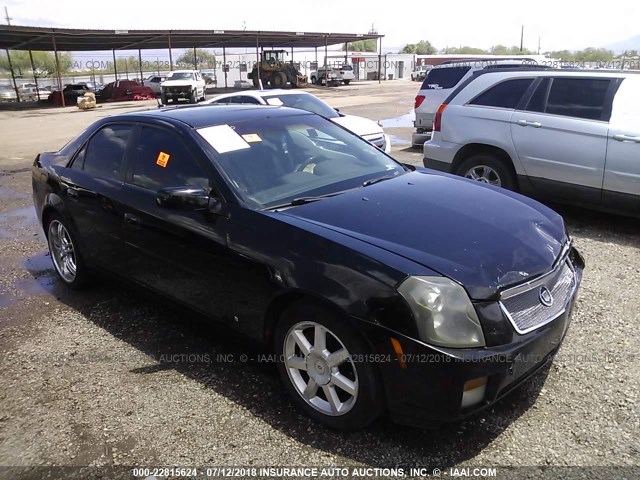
(483, 237)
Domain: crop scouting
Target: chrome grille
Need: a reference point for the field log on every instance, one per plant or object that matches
(526, 310)
(378, 142)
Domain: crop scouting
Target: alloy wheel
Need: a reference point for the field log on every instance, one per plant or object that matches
(321, 368)
(62, 251)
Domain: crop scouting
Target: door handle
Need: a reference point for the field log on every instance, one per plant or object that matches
(72, 192)
(131, 219)
(527, 123)
(626, 138)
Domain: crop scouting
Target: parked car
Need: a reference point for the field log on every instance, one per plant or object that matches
(442, 80)
(183, 84)
(571, 136)
(93, 86)
(420, 72)
(350, 267)
(325, 76)
(8, 94)
(154, 82)
(367, 129)
(33, 94)
(345, 74)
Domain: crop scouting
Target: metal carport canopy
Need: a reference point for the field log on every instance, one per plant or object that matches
(75, 40)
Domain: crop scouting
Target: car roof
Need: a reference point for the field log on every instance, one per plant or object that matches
(560, 72)
(261, 93)
(199, 116)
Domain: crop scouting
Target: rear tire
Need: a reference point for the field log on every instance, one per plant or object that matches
(279, 80)
(347, 82)
(487, 168)
(318, 364)
(314, 80)
(65, 253)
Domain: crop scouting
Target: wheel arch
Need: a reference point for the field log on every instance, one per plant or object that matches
(483, 148)
(284, 300)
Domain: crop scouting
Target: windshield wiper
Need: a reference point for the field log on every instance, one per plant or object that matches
(302, 201)
(376, 180)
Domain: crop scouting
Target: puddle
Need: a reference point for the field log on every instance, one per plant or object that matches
(405, 120)
(43, 281)
(8, 193)
(12, 223)
(395, 140)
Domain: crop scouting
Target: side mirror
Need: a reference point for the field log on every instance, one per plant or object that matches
(184, 197)
(337, 110)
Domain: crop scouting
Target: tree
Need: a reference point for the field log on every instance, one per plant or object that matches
(594, 55)
(44, 63)
(513, 50)
(362, 46)
(203, 58)
(423, 47)
(464, 50)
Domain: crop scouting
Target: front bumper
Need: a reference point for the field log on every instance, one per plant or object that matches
(428, 389)
(175, 94)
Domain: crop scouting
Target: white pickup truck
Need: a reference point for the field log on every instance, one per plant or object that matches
(325, 76)
(187, 84)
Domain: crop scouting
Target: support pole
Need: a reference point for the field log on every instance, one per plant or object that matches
(115, 66)
(195, 59)
(13, 77)
(224, 67)
(379, 59)
(258, 62)
(55, 53)
(140, 61)
(326, 48)
(292, 56)
(346, 53)
(170, 57)
(35, 77)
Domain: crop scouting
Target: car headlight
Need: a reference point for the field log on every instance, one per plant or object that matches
(444, 314)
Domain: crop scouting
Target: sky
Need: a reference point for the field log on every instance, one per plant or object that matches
(559, 24)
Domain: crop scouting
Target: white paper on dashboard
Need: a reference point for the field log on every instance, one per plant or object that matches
(223, 138)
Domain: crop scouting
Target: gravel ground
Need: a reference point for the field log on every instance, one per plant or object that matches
(114, 376)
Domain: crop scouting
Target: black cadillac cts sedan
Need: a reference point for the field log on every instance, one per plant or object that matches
(377, 286)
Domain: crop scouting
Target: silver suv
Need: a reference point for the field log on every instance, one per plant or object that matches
(443, 79)
(568, 136)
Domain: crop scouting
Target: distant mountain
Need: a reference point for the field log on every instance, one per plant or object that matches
(632, 43)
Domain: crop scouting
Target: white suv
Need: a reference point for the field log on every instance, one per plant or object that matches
(568, 136)
(442, 79)
(179, 84)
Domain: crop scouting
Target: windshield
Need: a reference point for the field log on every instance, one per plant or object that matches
(273, 162)
(303, 102)
(180, 75)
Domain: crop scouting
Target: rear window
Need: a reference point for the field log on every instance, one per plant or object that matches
(346, 67)
(447, 77)
(578, 97)
(506, 94)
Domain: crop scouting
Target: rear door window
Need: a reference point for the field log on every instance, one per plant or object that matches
(578, 97)
(161, 160)
(104, 153)
(448, 77)
(538, 100)
(506, 94)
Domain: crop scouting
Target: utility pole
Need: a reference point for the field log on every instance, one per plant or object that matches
(521, 38)
(538, 45)
(7, 17)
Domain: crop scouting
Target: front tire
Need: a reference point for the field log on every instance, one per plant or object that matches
(487, 168)
(194, 96)
(320, 362)
(347, 82)
(65, 254)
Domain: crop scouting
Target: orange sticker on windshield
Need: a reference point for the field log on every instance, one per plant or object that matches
(251, 137)
(163, 159)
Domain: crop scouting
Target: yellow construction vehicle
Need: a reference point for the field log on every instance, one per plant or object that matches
(275, 72)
